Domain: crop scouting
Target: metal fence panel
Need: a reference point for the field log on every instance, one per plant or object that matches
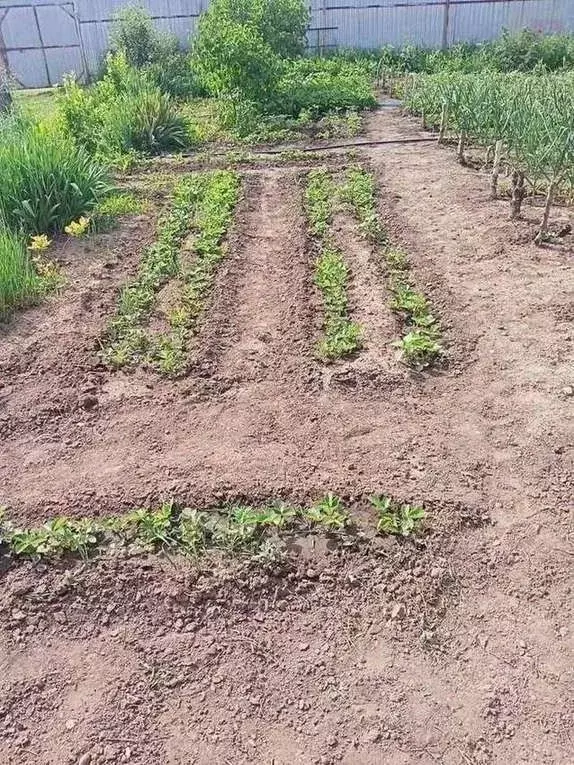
(42, 39)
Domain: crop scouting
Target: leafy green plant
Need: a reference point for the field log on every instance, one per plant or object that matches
(328, 512)
(419, 347)
(232, 59)
(341, 335)
(145, 120)
(56, 538)
(319, 86)
(193, 530)
(124, 112)
(397, 519)
(152, 528)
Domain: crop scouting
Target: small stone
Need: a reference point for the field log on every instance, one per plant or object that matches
(85, 759)
(435, 572)
(311, 573)
(398, 611)
(303, 646)
(18, 615)
(567, 390)
(70, 724)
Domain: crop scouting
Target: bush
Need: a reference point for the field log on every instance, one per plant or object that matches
(47, 180)
(282, 24)
(135, 35)
(230, 58)
(144, 121)
(18, 279)
(174, 75)
(241, 44)
(321, 85)
(123, 112)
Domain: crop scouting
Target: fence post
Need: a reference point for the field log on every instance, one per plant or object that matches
(445, 25)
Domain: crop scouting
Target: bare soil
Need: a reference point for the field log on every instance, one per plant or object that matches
(455, 649)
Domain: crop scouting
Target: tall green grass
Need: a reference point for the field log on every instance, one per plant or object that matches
(18, 279)
(45, 179)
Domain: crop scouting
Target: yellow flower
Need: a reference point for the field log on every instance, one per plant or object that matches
(78, 227)
(39, 242)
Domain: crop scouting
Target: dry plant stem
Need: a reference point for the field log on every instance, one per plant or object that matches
(460, 149)
(518, 193)
(487, 155)
(541, 235)
(496, 170)
(443, 123)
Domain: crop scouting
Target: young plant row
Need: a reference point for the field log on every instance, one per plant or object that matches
(238, 530)
(341, 335)
(202, 203)
(421, 341)
(526, 121)
(216, 196)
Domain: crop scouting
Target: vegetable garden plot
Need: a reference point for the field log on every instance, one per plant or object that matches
(257, 414)
(526, 122)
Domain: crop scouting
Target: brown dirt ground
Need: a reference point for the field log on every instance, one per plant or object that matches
(457, 649)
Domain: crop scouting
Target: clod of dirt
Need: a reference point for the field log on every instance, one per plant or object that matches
(89, 402)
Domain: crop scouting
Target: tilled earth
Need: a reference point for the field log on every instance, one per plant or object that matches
(456, 649)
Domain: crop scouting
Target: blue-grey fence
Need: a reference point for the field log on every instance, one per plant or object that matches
(40, 40)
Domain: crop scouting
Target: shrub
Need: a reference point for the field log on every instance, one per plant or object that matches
(230, 58)
(174, 75)
(123, 112)
(47, 180)
(135, 35)
(240, 45)
(321, 85)
(144, 120)
(18, 279)
(282, 24)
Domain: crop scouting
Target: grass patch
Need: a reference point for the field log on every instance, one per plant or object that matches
(215, 195)
(116, 206)
(46, 180)
(39, 105)
(341, 335)
(19, 281)
(237, 530)
(420, 344)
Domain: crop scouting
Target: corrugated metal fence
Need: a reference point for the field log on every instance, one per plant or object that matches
(40, 40)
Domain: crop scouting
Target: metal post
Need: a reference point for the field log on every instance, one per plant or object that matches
(445, 24)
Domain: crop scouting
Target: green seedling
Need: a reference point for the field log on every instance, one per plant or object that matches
(328, 512)
(395, 519)
(419, 347)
